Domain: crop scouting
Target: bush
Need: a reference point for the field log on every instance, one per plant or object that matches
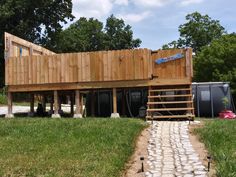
(3, 97)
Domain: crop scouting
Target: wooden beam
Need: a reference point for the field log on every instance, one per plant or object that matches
(97, 85)
(114, 100)
(77, 101)
(78, 105)
(56, 105)
(115, 114)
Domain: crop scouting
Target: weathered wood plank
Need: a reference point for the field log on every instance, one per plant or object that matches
(96, 66)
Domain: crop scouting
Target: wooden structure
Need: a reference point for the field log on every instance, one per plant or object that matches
(31, 68)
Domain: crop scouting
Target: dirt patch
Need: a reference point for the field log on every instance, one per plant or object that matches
(134, 165)
(200, 148)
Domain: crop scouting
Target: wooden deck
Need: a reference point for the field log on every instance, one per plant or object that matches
(93, 69)
(31, 68)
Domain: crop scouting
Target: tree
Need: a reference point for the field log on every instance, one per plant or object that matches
(171, 45)
(217, 62)
(118, 35)
(198, 31)
(89, 35)
(83, 35)
(36, 21)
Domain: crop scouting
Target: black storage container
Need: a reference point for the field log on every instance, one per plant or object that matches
(208, 98)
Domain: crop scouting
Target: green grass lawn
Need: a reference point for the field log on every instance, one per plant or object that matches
(219, 137)
(66, 147)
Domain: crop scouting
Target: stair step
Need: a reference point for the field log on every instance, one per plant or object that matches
(169, 116)
(169, 102)
(166, 90)
(169, 96)
(170, 109)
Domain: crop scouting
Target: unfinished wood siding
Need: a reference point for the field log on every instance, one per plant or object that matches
(17, 47)
(176, 69)
(79, 67)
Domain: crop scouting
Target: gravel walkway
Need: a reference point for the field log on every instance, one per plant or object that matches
(26, 109)
(170, 152)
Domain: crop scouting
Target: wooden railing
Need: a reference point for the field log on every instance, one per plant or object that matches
(176, 69)
(119, 65)
(79, 67)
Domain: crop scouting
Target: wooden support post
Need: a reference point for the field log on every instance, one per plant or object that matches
(92, 104)
(114, 114)
(72, 104)
(9, 104)
(77, 102)
(31, 113)
(56, 105)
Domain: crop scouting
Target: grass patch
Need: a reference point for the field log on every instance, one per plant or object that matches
(219, 137)
(66, 147)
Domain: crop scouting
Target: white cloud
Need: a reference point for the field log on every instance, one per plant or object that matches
(151, 3)
(134, 17)
(92, 8)
(188, 2)
(122, 2)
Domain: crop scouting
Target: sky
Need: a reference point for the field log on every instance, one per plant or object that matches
(156, 22)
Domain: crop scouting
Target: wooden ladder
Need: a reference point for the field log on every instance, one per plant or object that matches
(170, 102)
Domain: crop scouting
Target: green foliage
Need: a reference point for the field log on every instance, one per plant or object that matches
(118, 35)
(3, 97)
(89, 35)
(219, 136)
(171, 45)
(83, 35)
(36, 21)
(66, 147)
(217, 62)
(225, 102)
(198, 31)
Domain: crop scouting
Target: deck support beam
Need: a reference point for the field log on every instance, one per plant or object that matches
(31, 113)
(78, 106)
(115, 114)
(56, 105)
(9, 105)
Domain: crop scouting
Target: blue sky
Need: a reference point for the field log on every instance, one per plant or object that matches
(156, 22)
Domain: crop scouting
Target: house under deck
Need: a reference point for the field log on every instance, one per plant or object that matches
(35, 70)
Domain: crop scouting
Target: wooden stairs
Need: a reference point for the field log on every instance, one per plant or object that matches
(170, 102)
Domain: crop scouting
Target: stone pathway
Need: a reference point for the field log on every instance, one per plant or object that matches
(170, 152)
